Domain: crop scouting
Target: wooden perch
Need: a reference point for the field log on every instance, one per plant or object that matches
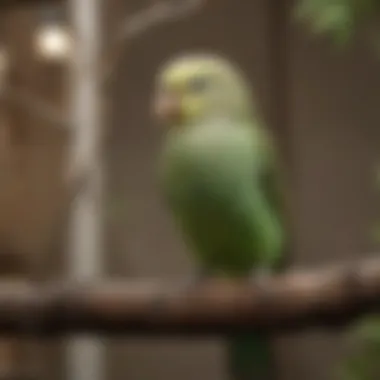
(322, 298)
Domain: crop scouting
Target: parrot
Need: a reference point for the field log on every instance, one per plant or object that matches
(218, 174)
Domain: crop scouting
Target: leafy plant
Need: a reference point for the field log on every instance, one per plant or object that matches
(339, 19)
(362, 362)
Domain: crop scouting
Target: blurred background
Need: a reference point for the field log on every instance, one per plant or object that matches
(320, 100)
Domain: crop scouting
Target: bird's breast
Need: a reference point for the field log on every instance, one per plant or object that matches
(207, 170)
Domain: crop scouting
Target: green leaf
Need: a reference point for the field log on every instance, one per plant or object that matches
(338, 18)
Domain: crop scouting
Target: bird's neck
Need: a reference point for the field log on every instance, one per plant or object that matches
(219, 118)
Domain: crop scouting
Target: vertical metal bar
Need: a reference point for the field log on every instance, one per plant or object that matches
(85, 354)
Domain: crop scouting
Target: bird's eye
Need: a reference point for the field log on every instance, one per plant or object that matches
(197, 84)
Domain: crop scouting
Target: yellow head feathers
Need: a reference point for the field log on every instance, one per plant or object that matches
(193, 87)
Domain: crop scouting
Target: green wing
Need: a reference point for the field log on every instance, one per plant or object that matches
(272, 182)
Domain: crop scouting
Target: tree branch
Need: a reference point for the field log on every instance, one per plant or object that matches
(158, 13)
(322, 298)
(34, 105)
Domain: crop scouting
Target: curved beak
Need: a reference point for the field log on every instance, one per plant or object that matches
(167, 107)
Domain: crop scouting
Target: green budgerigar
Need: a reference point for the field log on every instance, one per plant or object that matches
(219, 177)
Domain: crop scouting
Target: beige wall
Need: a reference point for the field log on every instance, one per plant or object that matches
(335, 138)
(323, 106)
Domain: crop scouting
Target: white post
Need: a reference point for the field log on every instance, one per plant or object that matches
(85, 354)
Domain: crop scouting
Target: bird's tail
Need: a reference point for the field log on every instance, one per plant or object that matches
(250, 357)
